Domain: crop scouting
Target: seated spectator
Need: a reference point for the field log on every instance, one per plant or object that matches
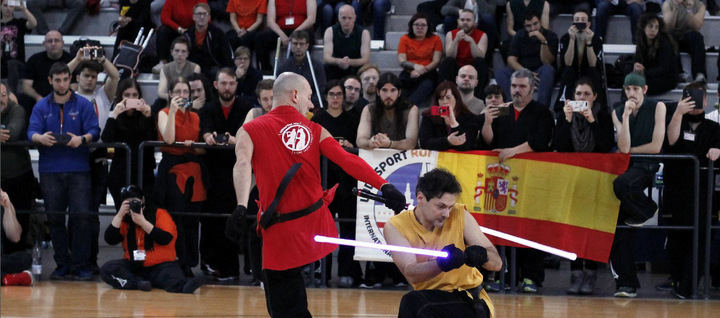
(180, 182)
(130, 121)
(533, 48)
(465, 45)
(134, 14)
(369, 75)
(379, 11)
(516, 12)
(153, 264)
(346, 46)
(340, 123)
(201, 92)
(299, 64)
(579, 51)
(584, 130)
(207, 44)
(264, 92)
(390, 121)
(13, 32)
(15, 265)
(656, 55)
(640, 127)
(683, 20)
(483, 10)
(35, 83)
(352, 87)
(76, 8)
(419, 53)
(179, 67)
(455, 129)
(246, 18)
(247, 76)
(327, 10)
(176, 17)
(467, 82)
(605, 8)
(283, 18)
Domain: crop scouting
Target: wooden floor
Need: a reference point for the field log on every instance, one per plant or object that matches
(81, 299)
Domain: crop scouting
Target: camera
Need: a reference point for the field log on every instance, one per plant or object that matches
(135, 205)
(503, 110)
(13, 3)
(61, 139)
(440, 110)
(578, 106)
(696, 95)
(185, 103)
(222, 138)
(580, 25)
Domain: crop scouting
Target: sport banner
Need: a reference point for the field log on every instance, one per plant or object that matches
(564, 200)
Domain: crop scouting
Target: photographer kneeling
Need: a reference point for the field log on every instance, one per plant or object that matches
(148, 238)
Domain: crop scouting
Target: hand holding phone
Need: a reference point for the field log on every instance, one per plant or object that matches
(133, 103)
(696, 95)
(441, 111)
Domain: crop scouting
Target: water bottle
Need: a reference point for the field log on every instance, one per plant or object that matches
(36, 268)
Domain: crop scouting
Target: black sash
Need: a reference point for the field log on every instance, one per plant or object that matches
(270, 217)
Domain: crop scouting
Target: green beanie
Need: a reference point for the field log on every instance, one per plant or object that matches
(634, 79)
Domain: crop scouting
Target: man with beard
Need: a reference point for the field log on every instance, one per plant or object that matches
(525, 127)
(640, 127)
(34, 82)
(352, 87)
(66, 119)
(467, 81)
(298, 64)
(466, 45)
(218, 122)
(369, 74)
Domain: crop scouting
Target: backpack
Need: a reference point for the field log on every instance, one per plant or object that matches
(615, 73)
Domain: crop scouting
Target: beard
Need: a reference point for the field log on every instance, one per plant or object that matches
(59, 93)
(466, 90)
(371, 90)
(695, 118)
(389, 103)
(227, 96)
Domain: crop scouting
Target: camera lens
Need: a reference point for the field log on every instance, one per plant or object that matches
(136, 206)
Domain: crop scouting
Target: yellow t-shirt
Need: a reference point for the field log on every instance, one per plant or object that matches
(451, 232)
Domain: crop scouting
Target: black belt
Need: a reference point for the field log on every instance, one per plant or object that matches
(284, 217)
(270, 217)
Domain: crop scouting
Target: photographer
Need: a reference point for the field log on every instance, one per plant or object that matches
(450, 125)
(148, 237)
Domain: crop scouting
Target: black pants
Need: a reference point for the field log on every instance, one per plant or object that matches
(125, 274)
(376, 272)
(186, 244)
(247, 40)
(440, 304)
(22, 191)
(285, 293)
(418, 90)
(216, 249)
(449, 70)
(531, 265)
(693, 43)
(15, 262)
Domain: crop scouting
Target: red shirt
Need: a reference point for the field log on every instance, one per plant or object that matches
(295, 9)
(177, 13)
(281, 138)
(464, 55)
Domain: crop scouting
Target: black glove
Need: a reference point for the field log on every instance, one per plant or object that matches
(394, 199)
(234, 225)
(455, 258)
(475, 256)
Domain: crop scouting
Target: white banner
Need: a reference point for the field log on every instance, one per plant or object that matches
(402, 169)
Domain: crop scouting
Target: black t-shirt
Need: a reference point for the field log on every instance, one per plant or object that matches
(344, 126)
(37, 68)
(527, 49)
(534, 125)
(12, 37)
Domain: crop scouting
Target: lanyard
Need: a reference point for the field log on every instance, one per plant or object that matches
(61, 119)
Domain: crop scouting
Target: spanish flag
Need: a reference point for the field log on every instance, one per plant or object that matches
(564, 200)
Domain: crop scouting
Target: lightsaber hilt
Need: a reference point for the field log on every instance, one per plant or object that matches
(368, 195)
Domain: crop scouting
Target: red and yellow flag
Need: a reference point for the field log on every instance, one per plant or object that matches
(564, 200)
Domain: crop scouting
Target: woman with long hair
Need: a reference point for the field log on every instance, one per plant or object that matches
(656, 55)
(456, 128)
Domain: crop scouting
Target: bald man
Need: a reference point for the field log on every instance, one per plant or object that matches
(347, 46)
(284, 149)
(467, 81)
(35, 83)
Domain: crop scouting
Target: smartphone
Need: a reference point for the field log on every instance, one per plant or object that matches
(578, 106)
(696, 95)
(503, 110)
(133, 103)
(62, 139)
(440, 111)
(580, 25)
(13, 3)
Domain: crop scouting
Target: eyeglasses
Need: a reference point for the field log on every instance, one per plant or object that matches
(242, 58)
(352, 89)
(420, 25)
(200, 14)
(335, 95)
(178, 92)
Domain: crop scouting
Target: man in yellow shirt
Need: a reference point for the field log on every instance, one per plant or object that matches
(443, 287)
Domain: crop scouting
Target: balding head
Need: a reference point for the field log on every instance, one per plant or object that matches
(53, 44)
(346, 18)
(293, 90)
(467, 79)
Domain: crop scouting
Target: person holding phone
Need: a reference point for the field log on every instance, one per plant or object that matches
(452, 126)
(13, 40)
(579, 51)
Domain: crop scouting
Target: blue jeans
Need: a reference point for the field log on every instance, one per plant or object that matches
(546, 73)
(69, 192)
(380, 9)
(327, 14)
(605, 9)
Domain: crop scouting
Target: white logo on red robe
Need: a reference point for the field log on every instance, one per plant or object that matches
(296, 137)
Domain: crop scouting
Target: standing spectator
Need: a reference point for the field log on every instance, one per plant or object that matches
(180, 184)
(351, 88)
(35, 85)
(134, 14)
(390, 121)
(329, 9)
(264, 100)
(640, 126)
(483, 10)
(516, 13)
(179, 67)
(467, 81)
(456, 129)
(87, 71)
(346, 46)
(369, 75)
(246, 19)
(605, 8)
(419, 53)
(15, 265)
(683, 20)
(153, 264)
(283, 17)
(465, 45)
(76, 8)
(207, 45)
(247, 76)
(656, 55)
(15, 168)
(533, 48)
(579, 51)
(588, 130)
(176, 17)
(219, 122)
(299, 64)
(12, 40)
(527, 127)
(65, 171)
(130, 122)
(379, 10)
